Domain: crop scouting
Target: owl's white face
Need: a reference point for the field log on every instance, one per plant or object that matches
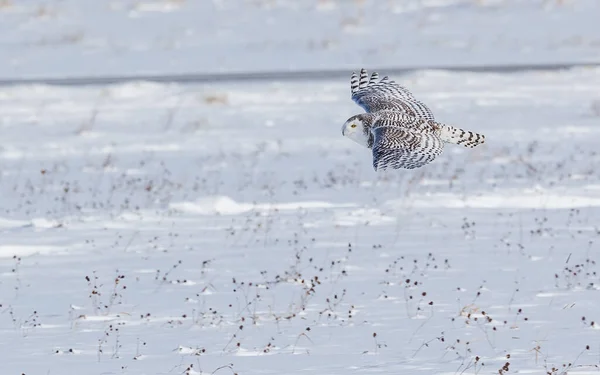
(354, 128)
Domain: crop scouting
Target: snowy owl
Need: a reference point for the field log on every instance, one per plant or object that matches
(400, 130)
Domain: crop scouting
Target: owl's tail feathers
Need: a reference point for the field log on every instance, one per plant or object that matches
(461, 137)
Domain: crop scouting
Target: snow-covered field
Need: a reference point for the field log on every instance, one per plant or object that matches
(231, 229)
(42, 38)
(159, 229)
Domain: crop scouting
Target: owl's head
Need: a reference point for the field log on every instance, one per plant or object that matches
(358, 129)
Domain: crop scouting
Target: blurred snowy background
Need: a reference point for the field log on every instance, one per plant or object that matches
(127, 37)
(228, 228)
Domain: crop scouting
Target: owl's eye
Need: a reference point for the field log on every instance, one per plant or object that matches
(353, 125)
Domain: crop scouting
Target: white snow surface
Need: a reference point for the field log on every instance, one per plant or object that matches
(68, 38)
(198, 229)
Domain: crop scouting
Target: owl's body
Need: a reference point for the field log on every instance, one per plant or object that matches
(400, 130)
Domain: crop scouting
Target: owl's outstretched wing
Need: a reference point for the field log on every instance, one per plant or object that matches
(396, 148)
(373, 96)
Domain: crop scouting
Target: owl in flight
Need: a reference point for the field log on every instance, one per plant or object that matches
(400, 130)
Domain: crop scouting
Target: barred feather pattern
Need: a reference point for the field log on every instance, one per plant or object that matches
(374, 96)
(466, 138)
(406, 121)
(400, 130)
(397, 148)
(447, 133)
